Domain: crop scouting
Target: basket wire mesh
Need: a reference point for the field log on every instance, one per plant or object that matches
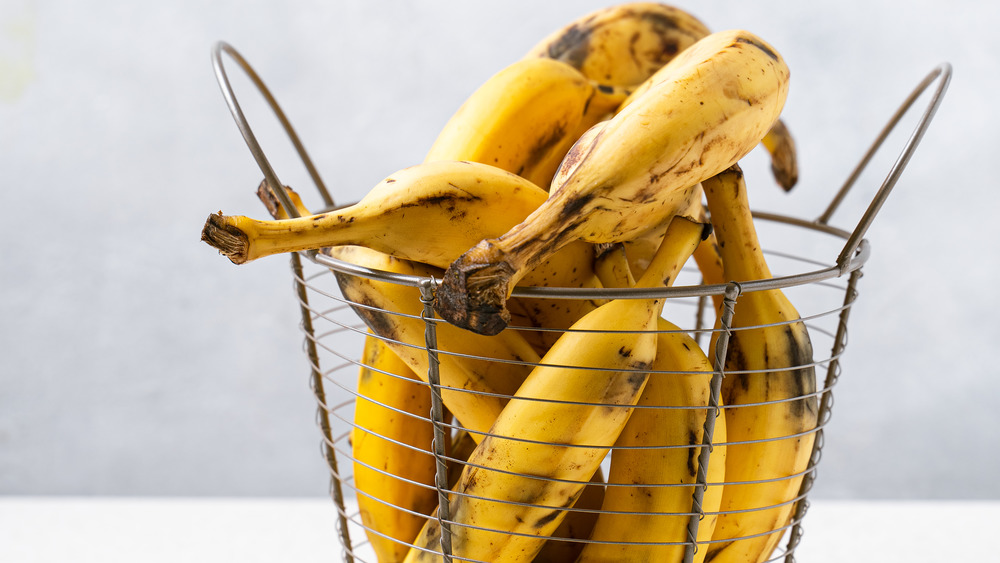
(823, 292)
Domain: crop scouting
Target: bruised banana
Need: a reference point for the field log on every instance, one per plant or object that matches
(391, 447)
(769, 365)
(524, 118)
(646, 507)
(552, 436)
(478, 373)
(639, 170)
(624, 45)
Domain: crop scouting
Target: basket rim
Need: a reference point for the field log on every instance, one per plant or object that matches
(832, 271)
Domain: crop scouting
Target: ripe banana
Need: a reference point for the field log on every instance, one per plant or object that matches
(478, 373)
(662, 139)
(769, 365)
(524, 118)
(391, 447)
(551, 437)
(706, 256)
(625, 44)
(429, 213)
(645, 503)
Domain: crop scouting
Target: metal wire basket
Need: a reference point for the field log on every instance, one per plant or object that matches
(823, 290)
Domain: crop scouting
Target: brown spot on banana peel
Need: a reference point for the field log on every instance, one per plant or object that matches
(571, 46)
(228, 240)
(543, 146)
(693, 453)
(764, 48)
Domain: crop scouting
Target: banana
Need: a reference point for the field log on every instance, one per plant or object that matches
(768, 365)
(551, 437)
(524, 118)
(428, 213)
(391, 448)
(478, 373)
(625, 44)
(662, 140)
(657, 452)
(646, 509)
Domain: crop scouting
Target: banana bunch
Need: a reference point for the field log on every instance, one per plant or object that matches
(576, 430)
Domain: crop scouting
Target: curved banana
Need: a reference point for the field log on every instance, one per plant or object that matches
(524, 118)
(645, 503)
(769, 365)
(625, 44)
(566, 541)
(659, 140)
(428, 213)
(551, 437)
(391, 448)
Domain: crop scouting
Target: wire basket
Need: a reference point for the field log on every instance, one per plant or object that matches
(822, 290)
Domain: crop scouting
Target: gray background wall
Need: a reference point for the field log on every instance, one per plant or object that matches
(136, 361)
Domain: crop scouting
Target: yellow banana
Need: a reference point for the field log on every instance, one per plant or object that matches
(662, 139)
(551, 437)
(645, 503)
(428, 213)
(625, 44)
(478, 373)
(524, 118)
(391, 446)
(769, 366)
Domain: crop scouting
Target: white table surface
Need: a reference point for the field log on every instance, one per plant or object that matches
(150, 530)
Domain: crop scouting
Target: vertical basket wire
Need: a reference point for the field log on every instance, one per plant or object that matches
(334, 334)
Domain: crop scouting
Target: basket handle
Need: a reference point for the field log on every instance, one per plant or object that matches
(248, 136)
(942, 73)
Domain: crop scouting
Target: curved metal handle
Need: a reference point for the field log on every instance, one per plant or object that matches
(248, 136)
(941, 73)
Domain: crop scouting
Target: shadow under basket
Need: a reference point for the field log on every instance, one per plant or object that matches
(817, 266)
